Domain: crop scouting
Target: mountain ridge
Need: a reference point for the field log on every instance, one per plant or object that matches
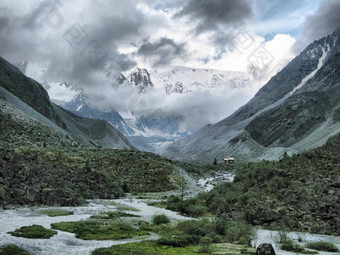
(19, 89)
(236, 135)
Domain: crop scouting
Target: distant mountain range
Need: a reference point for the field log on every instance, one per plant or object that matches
(148, 130)
(298, 109)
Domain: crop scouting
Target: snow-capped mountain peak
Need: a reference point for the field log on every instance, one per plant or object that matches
(140, 77)
(184, 79)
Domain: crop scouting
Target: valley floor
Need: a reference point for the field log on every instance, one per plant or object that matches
(67, 243)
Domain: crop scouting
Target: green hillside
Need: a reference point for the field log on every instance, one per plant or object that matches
(301, 192)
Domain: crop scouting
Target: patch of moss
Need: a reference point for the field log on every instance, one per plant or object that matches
(55, 213)
(34, 231)
(152, 248)
(147, 248)
(99, 229)
(322, 246)
(12, 250)
(112, 215)
(121, 207)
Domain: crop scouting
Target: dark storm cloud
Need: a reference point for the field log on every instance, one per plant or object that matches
(223, 40)
(28, 37)
(163, 52)
(36, 16)
(3, 21)
(323, 22)
(212, 14)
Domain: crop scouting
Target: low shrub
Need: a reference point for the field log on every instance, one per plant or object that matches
(322, 246)
(205, 243)
(290, 245)
(215, 237)
(196, 227)
(233, 231)
(195, 210)
(160, 219)
(178, 240)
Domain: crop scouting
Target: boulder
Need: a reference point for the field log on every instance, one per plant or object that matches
(265, 249)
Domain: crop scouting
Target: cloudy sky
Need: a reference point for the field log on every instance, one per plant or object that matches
(81, 40)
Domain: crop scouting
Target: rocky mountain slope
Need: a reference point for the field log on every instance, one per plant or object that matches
(49, 155)
(31, 98)
(80, 106)
(140, 77)
(296, 110)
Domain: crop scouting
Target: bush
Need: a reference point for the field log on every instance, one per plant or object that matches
(196, 227)
(238, 232)
(205, 242)
(290, 245)
(215, 237)
(160, 219)
(178, 240)
(192, 207)
(234, 232)
(322, 246)
(196, 210)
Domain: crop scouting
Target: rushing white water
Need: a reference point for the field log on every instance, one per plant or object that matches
(208, 183)
(62, 243)
(66, 243)
(146, 211)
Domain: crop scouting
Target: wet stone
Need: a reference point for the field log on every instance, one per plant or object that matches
(265, 249)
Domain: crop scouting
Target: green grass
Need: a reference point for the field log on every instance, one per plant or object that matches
(12, 250)
(152, 248)
(34, 231)
(99, 229)
(322, 246)
(112, 215)
(159, 204)
(232, 249)
(289, 245)
(55, 213)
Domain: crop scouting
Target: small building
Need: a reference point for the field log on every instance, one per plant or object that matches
(229, 160)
